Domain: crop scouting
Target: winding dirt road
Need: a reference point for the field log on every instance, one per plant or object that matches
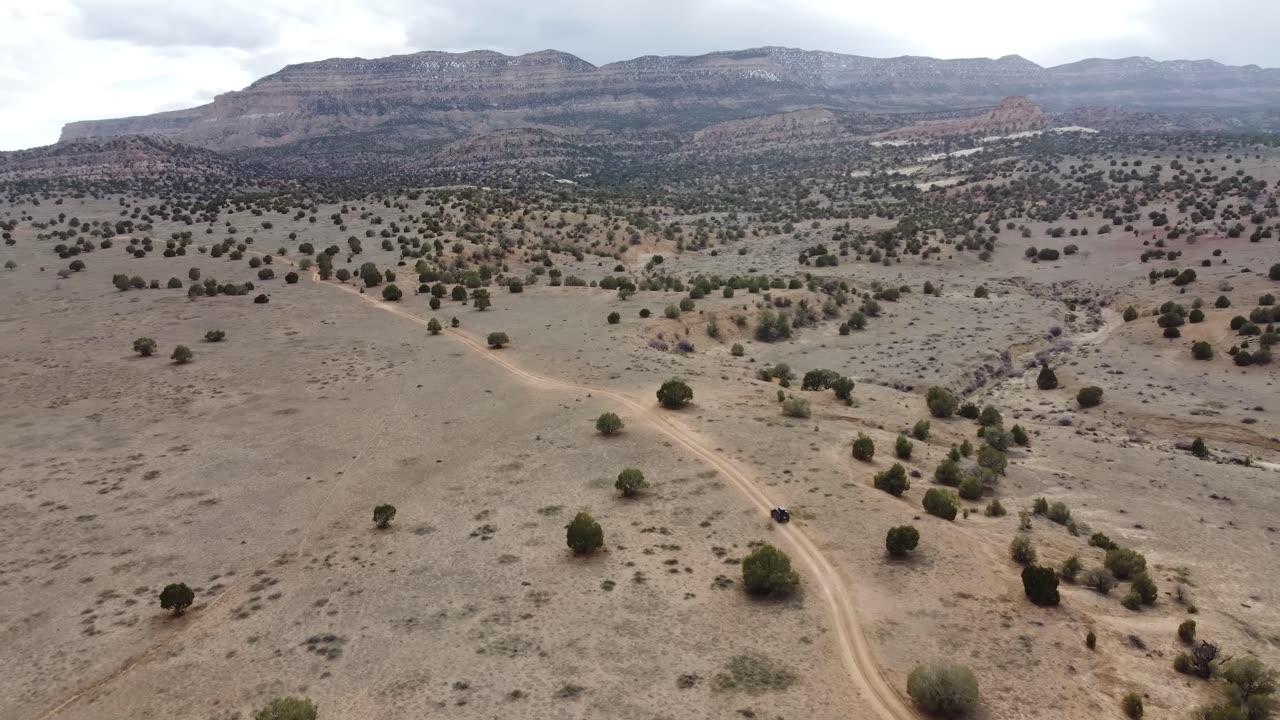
(856, 653)
(855, 650)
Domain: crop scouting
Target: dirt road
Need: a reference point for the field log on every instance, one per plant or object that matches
(856, 652)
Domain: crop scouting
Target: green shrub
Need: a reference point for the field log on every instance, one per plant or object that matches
(941, 503)
(818, 379)
(1187, 631)
(1201, 350)
(996, 437)
(990, 416)
(1047, 379)
(969, 411)
(1124, 563)
(1040, 584)
(1091, 640)
(995, 509)
(948, 473)
(1098, 579)
(433, 326)
(1089, 396)
(1099, 540)
(1130, 314)
(971, 488)
(584, 534)
(1019, 436)
(992, 459)
(182, 355)
(943, 688)
(767, 571)
(608, 424)
(146, 347)
(902, 448)
(942, 404)
(176, 597)
(1071, 568)
(1059, 513)
(1250, 685)
(780, 372)
(1132, 601)
(214, 336)
(893, 481)
(498, 340)
(864, 448)
(1145, 587)
(772, 327)
(920, 430)
(1182, 663)
(737, 350)
(795, 407)
(674, 394)
(901, 540)
(1132, 706)
(630, 482)
(843, 388)
(383, 515)
(1022, 550)
(287, 708)
(614, 318)
(1199, 449)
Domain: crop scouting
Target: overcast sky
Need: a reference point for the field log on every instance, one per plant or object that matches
(64, 60)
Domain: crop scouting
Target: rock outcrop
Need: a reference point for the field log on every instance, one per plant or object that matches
(1011, 115)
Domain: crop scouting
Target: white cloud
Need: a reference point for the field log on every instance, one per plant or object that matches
(64, 60)
(244, 24)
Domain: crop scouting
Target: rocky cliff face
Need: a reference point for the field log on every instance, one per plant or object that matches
(441, 97)
(1011, 115)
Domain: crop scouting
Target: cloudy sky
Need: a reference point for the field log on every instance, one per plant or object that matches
(64, 60)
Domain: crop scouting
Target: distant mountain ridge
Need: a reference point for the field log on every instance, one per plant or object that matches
(129, 156)
(440, 97)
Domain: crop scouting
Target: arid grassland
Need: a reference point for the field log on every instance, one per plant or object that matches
(1048, 355)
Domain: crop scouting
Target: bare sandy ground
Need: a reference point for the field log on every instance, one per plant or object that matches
(251, 473)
